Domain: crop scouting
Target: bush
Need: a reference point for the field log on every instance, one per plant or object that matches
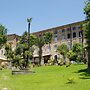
(51, 61)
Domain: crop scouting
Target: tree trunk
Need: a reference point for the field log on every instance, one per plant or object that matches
(64, 57)
(88, 58)
(40, 55)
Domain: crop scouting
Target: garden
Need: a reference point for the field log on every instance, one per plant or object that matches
(47, 78)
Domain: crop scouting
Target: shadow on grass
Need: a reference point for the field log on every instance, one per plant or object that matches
(84, 73)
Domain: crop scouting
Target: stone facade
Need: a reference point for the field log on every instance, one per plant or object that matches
(12, 39)
(68, 34)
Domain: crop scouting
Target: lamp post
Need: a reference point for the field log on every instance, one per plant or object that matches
(28, 36)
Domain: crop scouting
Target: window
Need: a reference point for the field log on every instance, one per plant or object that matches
(79, 27)
(39, 35)
(55, 38)
(68, 36)
(63, 36)
(74, 34)
(63, 30)
(74, 28)
(55, 32)
(68, 29)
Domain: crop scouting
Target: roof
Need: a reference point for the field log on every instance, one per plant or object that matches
(66, 25)
(12, 37)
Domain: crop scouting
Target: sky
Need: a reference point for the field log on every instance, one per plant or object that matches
(45, 14)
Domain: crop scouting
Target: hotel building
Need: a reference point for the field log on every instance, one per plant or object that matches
(68, 34)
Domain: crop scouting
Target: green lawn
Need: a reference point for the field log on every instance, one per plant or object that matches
(47, 78)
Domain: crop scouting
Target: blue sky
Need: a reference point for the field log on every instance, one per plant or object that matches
(45, 13)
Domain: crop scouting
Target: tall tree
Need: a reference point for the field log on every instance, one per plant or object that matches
(87, 13)
(3, 38)
(40, 41)
(24, 45)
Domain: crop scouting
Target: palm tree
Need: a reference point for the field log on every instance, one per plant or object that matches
(29, 24)
(40, 41)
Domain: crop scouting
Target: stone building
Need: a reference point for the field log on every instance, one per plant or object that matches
(12, 39)
(68, 34)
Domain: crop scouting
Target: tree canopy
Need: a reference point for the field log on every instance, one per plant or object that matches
(3, 38)
(87, 34)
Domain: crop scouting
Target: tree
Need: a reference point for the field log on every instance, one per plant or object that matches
(48, 38)
(23, 47)
(87, 32)
(40, 41)
(77, 48)
(62, 49)
(3, 38)
(9, 53)
(75, 53)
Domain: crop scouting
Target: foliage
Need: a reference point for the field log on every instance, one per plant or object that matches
(24, 50)
(19, 57)
(78, 50)
(41, 41)
(62, 49)
(51, 61)
(48, 37)
(3, 38)
(75, 54)
(87, 13)
(8, 52)
(77, 47)
(61, 62)
(71, 55)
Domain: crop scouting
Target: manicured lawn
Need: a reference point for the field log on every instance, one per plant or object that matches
(47, 78)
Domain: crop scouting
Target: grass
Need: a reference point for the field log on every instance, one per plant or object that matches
(47, 78)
